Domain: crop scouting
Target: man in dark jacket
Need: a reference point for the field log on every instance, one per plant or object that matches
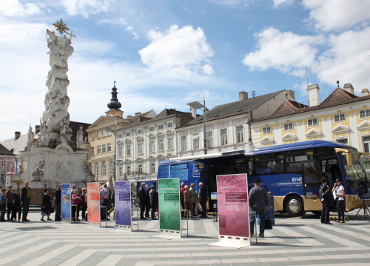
(142, 198)
(58, 202)
(153, 201)
(202, 197)
(259, 202)
(25, 201)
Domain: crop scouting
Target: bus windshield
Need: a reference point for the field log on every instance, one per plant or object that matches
(354, 169)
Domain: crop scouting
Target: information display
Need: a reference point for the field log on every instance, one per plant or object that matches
(169, 206)
(233, 206)
(66, 202)
(123, 204)
(93, 203)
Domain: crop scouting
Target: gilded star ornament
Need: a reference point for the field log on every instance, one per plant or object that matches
(61, 26)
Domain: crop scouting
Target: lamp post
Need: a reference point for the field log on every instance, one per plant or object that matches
(198, 105)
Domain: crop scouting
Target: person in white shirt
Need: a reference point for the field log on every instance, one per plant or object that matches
(339, 193)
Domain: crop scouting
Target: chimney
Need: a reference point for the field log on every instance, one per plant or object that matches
(364, 92)
(138, 113)
(313, 95)
(17, 134)
(243, 96)
(37, 129)
(349, 88)
(194, 112)
(129, 116)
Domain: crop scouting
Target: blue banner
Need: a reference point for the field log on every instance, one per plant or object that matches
(66, 202)
(122, 194)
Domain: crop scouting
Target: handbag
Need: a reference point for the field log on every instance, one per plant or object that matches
(268, 222)
(200, 207)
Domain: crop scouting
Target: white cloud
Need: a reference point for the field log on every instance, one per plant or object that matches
(278, 3)
(177, 50)
(208, 69)
(13, 8)
(117, 21)
(131, 30)
(232, 3)
(86, 7)
(337, 14)
(287, 52)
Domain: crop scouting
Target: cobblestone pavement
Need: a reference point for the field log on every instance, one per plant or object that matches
(291, 242)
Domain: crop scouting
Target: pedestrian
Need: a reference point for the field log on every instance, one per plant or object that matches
(58, 202)
(188, 202)
(202, 198)
(104, 196)
(25, 200)
(182, 189)
(325, 200)
(76, 204)
(194, 199)
(17, 209)
(259, 202)
(142, 200)
(153, 194)
(9, 203)
(46, 205)
(339, 193)
(83, 203)
(147, 201)
(2, 205)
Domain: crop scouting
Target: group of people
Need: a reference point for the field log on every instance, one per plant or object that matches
(148, 201)
(190, 199)
(326, 194)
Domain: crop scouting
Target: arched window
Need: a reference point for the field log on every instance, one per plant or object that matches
(97, 170)
(104, 169)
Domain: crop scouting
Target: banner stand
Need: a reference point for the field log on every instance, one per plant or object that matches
(122, 195)
(65, 202)
(93, 204)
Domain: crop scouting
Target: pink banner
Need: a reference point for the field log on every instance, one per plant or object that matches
(233, 206)
(93, 203)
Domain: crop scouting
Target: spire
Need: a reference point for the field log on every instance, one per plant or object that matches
(114, 104)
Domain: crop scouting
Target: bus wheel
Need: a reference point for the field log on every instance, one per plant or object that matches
(294, 206)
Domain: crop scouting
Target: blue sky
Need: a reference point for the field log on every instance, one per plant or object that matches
(168, 53)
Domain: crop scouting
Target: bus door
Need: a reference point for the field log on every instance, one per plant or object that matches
(311, 178)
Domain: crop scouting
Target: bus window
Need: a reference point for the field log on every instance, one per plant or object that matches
(354, 170)
(312, 174)
(293, 160)
(266, 164)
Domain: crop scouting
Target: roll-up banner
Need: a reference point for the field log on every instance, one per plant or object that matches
(169, 207)
(233, 209)
(93, 203)
(123, 205)
(66, 202)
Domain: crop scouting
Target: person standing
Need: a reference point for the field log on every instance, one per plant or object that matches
(58, 202)
(339, 193)
(153, 194)
(202, 198)
(194, 199)
(83, 203)
(182, 189)
(76, 204)
(259, 202)
(25, 200)
(188, 201)
(46, 205)
(147, 200)
(9, 203)
(325, 200)
(2, 205)
(104, 196)
(17, 204)
(142, 199)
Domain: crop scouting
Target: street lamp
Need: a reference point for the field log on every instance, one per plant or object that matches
(197, 105)
(115, 147)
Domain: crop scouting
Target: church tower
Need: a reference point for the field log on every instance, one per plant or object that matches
(114, 105)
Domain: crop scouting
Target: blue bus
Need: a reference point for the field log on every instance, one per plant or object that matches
(291, 172)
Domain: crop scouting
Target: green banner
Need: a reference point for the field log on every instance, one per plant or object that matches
(169, 204)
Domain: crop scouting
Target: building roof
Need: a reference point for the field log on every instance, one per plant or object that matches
(17, 145)
(336, 98)
(5, 151)
(235, 108)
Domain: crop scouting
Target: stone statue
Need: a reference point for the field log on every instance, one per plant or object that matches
(38, 173)
(88, 172)
(31, 137)
(80, 138)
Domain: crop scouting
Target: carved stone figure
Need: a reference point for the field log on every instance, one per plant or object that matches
(88, 172)
(38, 173)
(80, 139)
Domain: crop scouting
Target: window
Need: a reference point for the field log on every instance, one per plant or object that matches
(170, 143)
(239, 134)
(120, 171)
(128, 150)
(288, 126)
(111, 168)
(340, 117)
(366, 144)
(160, 127)
(196, 144)
(161, 144)
(223, 136)
(104, 133)
(266, 164)
(152, 168)
(140, 168)
(140, 131)
(120, 136)
(183, 143)
(128, 134)
(103, 169)
(344, 141)
(294, 158)
(104, 148)
(109, 133)
(364, 113)
(151, 128)
(92, 136)
(109, 147)
(313, 122)
(128, 170)
(169, 125)
(120, 151)
(99, 149)
(99, 134)
(92, 150)
(2, 178)
(139, 147)
(2, 163)
(151, 146)
(209, 139)
(97, 170)
(266, 130)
